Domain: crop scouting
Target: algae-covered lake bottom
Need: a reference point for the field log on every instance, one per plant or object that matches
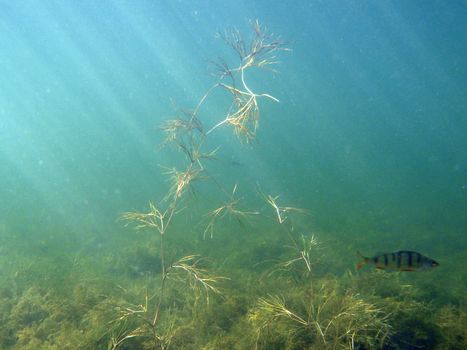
(194, 175)
(89, 295)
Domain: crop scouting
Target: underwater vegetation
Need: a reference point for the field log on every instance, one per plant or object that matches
(268, 283)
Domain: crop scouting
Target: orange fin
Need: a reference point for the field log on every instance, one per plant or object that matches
(361, 263)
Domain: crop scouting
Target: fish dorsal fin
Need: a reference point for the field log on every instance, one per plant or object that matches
(404, 251)
(360, 255)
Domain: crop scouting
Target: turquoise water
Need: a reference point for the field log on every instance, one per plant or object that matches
(369, 139)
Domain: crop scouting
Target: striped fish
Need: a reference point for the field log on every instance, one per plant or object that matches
(403, 260)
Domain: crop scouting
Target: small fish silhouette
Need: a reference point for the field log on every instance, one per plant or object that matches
(403, 260)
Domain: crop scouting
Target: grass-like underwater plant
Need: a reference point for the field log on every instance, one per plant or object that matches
(323, 316)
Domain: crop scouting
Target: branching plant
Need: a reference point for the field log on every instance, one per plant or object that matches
(332, 319)
(186, 133)
(144, 320)
(244, 112)
(181, 181)
(305, 256)
(230, 209)
(155, 219)
(178, 128)
(281, 212)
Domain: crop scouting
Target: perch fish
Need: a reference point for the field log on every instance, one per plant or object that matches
(403, 260)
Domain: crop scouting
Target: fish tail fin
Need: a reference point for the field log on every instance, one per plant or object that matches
(362, 262)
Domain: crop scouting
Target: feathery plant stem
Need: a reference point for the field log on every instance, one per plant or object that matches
(187, 134)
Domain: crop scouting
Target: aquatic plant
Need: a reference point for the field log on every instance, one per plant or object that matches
(280, 211)
(304, 249)
(180, 130)
(187, 134)
(452, 321)
(416, 322)
(244, 113)
(144, 320)
(68, 308)
(324, 315)
(305, 256)
(181, 181)
(230, 209)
